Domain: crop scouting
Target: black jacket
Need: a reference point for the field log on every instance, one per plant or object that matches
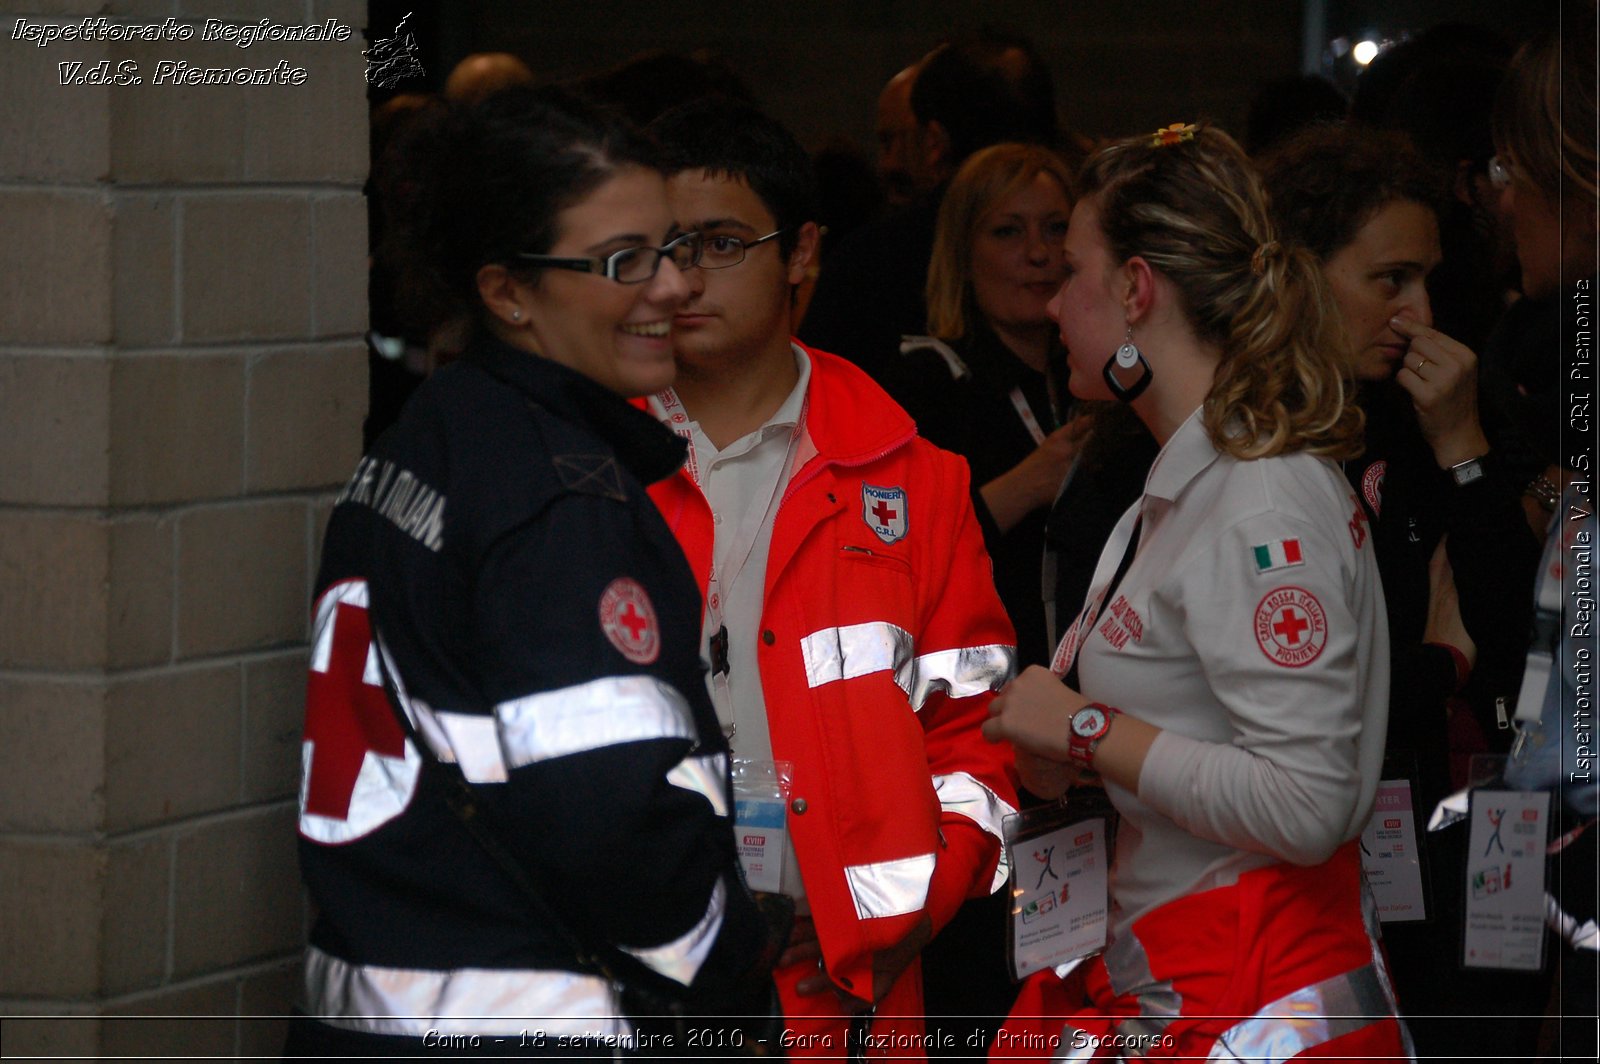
(1411, 504)
(542, 629)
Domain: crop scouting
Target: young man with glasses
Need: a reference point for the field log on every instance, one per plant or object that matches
(851, 619)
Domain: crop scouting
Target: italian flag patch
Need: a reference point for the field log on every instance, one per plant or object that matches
(1279, 554)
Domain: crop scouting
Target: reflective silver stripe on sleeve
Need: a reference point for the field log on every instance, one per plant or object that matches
(1077, 1046)
(489, 1001)
(890, 888)
(961, 673)
(467, 739)
(682, 958)
(1160, 1004)
(877, 646)
(476, 745)
(589, 716)
(857, 650)
(1306, 1018)
(704, 774)
(962, 794)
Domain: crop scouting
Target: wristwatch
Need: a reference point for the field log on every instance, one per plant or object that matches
(1464, 473)
(1089, 725)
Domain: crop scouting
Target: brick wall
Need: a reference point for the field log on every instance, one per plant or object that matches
(182, 292)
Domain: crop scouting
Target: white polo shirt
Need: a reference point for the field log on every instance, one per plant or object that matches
(1250, 627)
(743, 483)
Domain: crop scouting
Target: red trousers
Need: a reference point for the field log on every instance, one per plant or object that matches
(1279, 965)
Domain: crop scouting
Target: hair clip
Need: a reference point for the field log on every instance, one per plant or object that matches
(1173, 134)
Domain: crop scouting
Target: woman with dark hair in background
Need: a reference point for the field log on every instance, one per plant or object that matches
(515, 793)
(1232, 657)
(1441, 497)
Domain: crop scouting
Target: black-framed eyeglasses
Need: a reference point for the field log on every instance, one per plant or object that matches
(628, 266)
(719, 252)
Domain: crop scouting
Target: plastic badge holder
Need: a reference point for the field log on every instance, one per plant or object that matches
(1392, 856)
(1505, 873)
(761, 798)
(1060, 861)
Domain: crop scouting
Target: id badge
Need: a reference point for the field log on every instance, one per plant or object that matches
(1505, 880)
(760, 801)
(1391, 857)
(1060, 857)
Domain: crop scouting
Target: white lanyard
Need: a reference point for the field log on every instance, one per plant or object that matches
(740, 549)
(1025, 412)
(1111, 559)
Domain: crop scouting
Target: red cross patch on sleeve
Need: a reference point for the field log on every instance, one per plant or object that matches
(1291, 627)
(629, 621)
(358, 769)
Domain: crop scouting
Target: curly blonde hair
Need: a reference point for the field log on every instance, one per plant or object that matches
(1195, 211)
(983, 182)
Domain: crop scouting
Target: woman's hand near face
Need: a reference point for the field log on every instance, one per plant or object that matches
(1441, 376)
(1032, 483)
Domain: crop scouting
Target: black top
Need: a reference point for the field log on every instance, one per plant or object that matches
(1411, 504)
(974, 416)
(1107, 479)
(524, 519)
(1535, 351)
(870, 292)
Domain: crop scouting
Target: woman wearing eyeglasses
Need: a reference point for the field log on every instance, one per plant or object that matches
(510, 758)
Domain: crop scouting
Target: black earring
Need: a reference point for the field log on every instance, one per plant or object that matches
(1127, 357)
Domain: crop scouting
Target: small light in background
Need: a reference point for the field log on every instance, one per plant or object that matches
(1364, 52)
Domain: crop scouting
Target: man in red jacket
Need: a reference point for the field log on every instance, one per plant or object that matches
(851, 619)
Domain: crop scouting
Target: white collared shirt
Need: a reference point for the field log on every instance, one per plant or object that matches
(1250, 627)
(743, 483)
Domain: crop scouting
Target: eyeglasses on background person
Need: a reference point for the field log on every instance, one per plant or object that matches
(719, 252)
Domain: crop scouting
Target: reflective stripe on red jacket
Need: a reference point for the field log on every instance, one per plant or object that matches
(880, 649)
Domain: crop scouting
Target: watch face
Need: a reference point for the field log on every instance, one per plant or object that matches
(1088, 721)
(1467, 471)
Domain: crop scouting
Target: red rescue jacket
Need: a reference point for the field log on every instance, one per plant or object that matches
(882, 641)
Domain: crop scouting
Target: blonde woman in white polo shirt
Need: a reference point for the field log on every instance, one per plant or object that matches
(1227, 680)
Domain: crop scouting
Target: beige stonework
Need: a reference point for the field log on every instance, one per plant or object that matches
(172, 745)
(53, 581)
(138, 909)
(50, 892)
(274, 712)
(182, 384)
(59, 723)
(302, 401)
(237, 891)
(176, 420)
(164, 1025)
(55, 429)
(63, 297)
(242, 577)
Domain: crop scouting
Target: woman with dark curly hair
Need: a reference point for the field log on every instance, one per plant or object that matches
(1442, 496)
(515, 811)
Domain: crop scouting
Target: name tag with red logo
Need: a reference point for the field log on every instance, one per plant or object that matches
(1390, 856)
(760, 829)
(1060, 857)
(1505, 879)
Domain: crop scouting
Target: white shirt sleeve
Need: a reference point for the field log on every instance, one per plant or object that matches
(1282, 652)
